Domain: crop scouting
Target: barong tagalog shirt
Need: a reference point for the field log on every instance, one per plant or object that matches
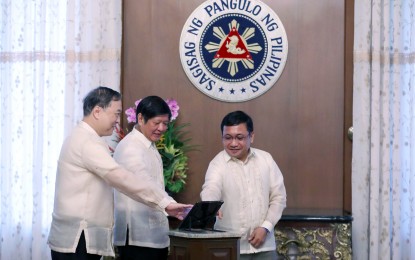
(253, 193)
(84, 196)
(147, 226)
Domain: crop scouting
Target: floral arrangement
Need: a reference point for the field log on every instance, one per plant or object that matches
(172, 147)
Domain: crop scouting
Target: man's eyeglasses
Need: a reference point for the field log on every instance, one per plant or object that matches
(238, 138)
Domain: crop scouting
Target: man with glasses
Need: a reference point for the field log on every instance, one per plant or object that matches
(251, 185)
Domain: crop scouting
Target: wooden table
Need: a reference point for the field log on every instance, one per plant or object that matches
(203, 244)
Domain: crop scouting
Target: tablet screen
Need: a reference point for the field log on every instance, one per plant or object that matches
(201, 216)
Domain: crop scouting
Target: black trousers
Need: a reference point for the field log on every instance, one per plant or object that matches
(129, 252)
(80, 253)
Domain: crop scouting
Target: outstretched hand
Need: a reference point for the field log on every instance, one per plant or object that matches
(178, 210)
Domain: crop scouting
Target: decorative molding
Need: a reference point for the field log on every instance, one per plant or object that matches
(331, 241)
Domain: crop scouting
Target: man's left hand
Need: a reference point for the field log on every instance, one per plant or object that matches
(257, 238)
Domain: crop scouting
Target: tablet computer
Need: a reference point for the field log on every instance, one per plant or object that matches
(202, 216)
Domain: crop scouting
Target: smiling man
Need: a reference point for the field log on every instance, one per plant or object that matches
(251, 185)
(140, 231)
(82, 219)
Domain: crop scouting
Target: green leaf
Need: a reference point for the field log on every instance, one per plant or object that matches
(173, 146)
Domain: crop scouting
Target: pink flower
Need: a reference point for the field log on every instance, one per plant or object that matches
(130, 112)
(174, 108)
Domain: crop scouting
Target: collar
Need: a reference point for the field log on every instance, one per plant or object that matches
(147, 143)
(87, 127)
(250, 155)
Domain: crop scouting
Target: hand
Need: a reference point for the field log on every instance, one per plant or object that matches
(178, 210)
(219, 214)
(257, 238)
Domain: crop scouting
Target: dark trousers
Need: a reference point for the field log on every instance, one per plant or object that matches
(129, 252)
(80, 253)
(142, 253)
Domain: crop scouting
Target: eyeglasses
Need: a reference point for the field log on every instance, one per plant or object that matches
(238, 138)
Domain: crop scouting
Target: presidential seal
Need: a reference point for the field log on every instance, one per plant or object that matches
(233, 50)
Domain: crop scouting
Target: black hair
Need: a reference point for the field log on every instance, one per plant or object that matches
(100, 96)
(152, 106)
(236, 118)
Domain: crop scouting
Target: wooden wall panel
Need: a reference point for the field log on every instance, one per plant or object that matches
(300, 120)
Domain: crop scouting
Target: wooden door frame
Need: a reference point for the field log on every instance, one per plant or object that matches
(348, 103)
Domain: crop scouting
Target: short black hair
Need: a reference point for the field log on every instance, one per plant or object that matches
(236, 118)
(152, 106)
(100, 96)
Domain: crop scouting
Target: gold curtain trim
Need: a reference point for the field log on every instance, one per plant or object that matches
(384, 58)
